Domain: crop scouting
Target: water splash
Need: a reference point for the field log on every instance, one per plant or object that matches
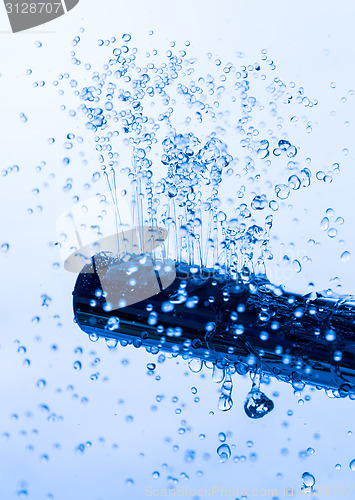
(216, 200)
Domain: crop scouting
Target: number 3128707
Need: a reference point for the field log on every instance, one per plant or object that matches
(33, 8)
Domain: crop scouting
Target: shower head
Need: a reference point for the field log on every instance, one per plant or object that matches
(205, 314)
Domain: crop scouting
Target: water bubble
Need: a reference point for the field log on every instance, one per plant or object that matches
(5, 247)
(352, 465)
(151, 366)
(77, 365)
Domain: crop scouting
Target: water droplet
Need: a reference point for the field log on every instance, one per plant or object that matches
(113, 323)
(324, 224)
(294, 182)
(282, 191)
(224, 452)
(296, 266)
(257, 404)
(167, 306)
(308, 480)
(195, 365)
(345, 256)
(41, 384)
(152, 318)
(352, 465)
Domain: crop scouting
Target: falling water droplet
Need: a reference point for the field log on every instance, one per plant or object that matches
(257, 404)
(296, 266)
(345, 256)
(324, 224)
(195, 365)
(282, 191)
(308, 480)
(5, 247)
(224, 452)
(41, 384)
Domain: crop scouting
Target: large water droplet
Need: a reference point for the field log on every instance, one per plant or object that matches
(257, 404)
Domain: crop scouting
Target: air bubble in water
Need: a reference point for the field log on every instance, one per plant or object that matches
(352, 465)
